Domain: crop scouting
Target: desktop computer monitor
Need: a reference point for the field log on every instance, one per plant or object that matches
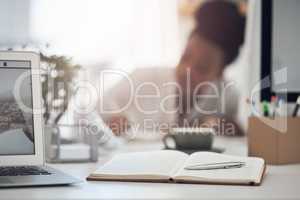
(280, 48)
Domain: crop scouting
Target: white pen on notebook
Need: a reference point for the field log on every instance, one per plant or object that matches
(221, 165)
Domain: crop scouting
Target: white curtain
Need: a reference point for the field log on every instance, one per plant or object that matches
(127, 33)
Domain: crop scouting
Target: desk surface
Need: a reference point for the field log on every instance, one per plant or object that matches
(280, 182)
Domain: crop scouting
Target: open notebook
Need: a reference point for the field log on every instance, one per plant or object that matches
(169, 166)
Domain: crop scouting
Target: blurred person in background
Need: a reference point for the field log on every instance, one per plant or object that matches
(194, 93)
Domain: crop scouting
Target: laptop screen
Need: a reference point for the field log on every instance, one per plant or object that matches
(16, 122)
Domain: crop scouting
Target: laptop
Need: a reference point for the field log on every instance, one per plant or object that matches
(22, 161)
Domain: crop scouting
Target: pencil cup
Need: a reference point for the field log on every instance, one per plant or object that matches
(276, 140)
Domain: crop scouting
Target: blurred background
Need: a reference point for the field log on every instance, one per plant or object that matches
(103, 34)
(126, 33)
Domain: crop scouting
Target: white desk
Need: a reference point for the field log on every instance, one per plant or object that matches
(281, 182)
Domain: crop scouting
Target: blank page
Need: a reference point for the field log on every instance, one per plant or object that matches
(163, 163)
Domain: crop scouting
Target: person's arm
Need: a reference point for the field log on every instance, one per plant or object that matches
(226, 123)
(115, 105)
(117, 121)
(223, 125)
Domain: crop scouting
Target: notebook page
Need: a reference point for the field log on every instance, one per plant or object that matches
(163, 163)
(251, 172)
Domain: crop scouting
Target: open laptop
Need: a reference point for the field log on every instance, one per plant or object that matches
(21, 128)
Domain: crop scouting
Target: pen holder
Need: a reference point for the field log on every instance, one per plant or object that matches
(276, 140)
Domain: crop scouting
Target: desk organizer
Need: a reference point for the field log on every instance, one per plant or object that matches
(276, 140)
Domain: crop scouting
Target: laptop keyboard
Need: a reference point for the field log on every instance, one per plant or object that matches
(22, 171)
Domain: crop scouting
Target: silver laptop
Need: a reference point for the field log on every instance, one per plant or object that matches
(21, 129)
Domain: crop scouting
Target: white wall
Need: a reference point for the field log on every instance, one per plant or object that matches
(127, 33)
(246, 70)
(14, 22)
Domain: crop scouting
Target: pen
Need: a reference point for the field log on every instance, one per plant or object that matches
(282, 110)
(274, 104)
(211, 166)
(265, 107)
(296, 109)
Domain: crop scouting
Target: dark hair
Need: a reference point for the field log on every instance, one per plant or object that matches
(221, 22)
